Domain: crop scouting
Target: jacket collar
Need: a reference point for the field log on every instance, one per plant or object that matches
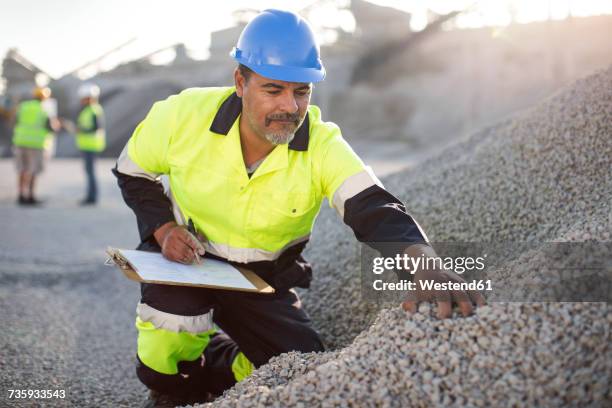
(232, 107)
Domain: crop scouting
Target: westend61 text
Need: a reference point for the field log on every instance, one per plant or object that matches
(478, 285)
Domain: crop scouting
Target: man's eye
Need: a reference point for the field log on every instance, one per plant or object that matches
(273, 92)
(303, 93)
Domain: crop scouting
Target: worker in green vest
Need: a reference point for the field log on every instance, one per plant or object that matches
(248, 168)
(90, 137)
(32, 139)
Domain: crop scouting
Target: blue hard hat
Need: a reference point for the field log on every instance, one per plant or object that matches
(280, 45)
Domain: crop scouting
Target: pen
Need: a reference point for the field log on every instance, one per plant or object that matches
(192, 230)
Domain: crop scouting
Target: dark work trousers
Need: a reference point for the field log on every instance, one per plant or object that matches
(89, 159)
(259, 325)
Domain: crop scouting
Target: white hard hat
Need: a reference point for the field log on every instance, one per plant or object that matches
(88, 90)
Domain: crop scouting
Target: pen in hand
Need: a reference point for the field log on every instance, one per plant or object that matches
(192, 231)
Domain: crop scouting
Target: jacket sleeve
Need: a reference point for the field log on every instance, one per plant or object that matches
(375, 215)
(147, 199)
(139, 167)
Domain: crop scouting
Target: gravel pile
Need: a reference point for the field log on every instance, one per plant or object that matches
(532, 354)
(543, 175)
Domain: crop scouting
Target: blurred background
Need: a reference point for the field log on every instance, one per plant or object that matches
(414, 74)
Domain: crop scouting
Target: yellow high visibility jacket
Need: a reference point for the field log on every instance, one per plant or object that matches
(194, 138)
(91, 136)
(31, 127)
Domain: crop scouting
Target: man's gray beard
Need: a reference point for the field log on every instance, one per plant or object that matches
(279, 138)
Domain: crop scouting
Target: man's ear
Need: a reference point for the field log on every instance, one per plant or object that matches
(239, 81)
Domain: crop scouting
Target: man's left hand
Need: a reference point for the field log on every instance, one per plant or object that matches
(444, 298)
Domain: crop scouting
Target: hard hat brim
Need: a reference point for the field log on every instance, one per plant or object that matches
(288, 74)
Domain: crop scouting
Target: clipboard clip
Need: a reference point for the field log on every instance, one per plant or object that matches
(115, 258)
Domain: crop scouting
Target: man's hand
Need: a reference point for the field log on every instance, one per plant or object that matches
(55, 124)
(178, 244)
(444, 298)
(68, 125)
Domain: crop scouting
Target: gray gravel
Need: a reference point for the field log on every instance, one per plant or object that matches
(508, 354)
(543, 175)
(67, 320)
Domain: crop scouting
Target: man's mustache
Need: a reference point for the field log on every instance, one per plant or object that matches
(285, 117)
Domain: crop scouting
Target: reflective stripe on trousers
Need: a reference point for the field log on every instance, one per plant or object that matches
(165, 339)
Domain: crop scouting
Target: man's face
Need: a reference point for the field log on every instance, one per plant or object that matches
(274, 109)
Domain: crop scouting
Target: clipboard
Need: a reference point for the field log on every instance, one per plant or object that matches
(116, 257)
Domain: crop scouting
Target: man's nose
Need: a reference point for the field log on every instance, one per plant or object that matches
(288, 103)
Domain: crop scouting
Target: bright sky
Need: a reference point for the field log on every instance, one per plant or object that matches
(62, 35)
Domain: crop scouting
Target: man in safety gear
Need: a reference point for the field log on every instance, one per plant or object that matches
(250, 166)
(90, 137)
(32, 137)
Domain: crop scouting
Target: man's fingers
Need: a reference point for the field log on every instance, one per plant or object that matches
(186, 238)
(477, 298)
(182, 252)
(186, 255)
(191, 242)
(411, 302)
(409, 306)
(443, 298)
(444, 309)
(199, 246)
(194, 242)
(176, 255)
(180, 246)
(464, 302)
(469, 297)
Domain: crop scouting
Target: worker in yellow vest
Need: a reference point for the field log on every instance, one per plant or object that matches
(249, 166)
(32, 138)
(90, 137)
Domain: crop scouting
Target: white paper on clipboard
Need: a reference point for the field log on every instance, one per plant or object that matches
(152, 266)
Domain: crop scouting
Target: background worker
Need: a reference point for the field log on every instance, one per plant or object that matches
(250, 165)
(32, 137)
(90, 137)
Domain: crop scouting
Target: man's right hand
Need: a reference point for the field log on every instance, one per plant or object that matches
(178, 244)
